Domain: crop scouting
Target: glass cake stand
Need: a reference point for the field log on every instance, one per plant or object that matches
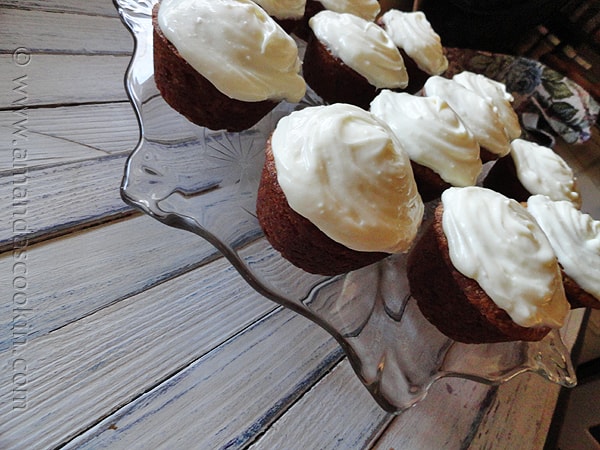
(206, 181)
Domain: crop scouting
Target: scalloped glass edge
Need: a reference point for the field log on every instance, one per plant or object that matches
(205, 182)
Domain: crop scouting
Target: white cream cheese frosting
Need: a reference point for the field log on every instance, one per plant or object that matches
(366, 9)
(432, 135)
(363, 46)
(497, 242)
(412, 32)
(343, 169)
(236, 46)
(475, 111)
(496, 93)
(575, 237)
(283, 9)
(542, 171)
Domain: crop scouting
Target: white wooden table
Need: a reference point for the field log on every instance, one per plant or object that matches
(117, 331)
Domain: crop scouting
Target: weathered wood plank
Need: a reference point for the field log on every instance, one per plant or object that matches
(65, 134)
(50, 200)
(446, 419)
(62, 79)
(353, 418)
(80, 373)
(42, 148)
(360, 423)
(521, 413)
(97, 7)
(63, 280)
(62, 32)
(230, 396)
(456, 409)
(112, 128)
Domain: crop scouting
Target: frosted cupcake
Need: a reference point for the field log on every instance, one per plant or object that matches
(216, 76)
(349, 59)
(484, 271)
(287, 13)
(337, 191)
(420, 46)
(476, 112)
(575, 238)
(365, 9)
(531, 169)
(443, 152)
(495, 93)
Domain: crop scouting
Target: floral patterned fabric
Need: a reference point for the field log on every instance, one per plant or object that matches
(566, 107)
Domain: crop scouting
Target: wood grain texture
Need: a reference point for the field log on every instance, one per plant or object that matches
(453, 408)
(72, 277)
(70, 33)
(89, 368)
(357, 419)
(101, 8)
(51, 200)
(228, 397)
(520, 412)
(55, 79)
(522, 409)
(70, 125)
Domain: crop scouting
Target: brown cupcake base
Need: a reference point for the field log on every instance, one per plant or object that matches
(503, 178)
(578, 297)
(196, 98)
(416, 76)
(429, 183)
(487, 156)
(302, 29)
(332, 79)
(455, 304)
(295, 237)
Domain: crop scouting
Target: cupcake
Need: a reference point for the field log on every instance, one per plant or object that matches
(531, 169)
(366, 9)
(443, 152)
(575, 238)
(419, 45)
(213, 74)
(477, 113)
(337, 191)
(495, 93)
(287, 13)
(349, 59)
(484, 271)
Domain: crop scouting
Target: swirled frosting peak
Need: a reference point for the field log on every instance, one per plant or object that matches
(236, 46)
(432, 135)
(363, 46)
(497, 242)
(542, 171)
(366, 9)
(412, 32)
(344, 170)
(575, 237)
(477, 113)
(495, 92)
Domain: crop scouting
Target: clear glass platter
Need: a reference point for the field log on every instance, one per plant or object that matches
(205, 182)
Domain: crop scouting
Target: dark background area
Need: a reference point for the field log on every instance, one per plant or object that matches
(564, 35)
